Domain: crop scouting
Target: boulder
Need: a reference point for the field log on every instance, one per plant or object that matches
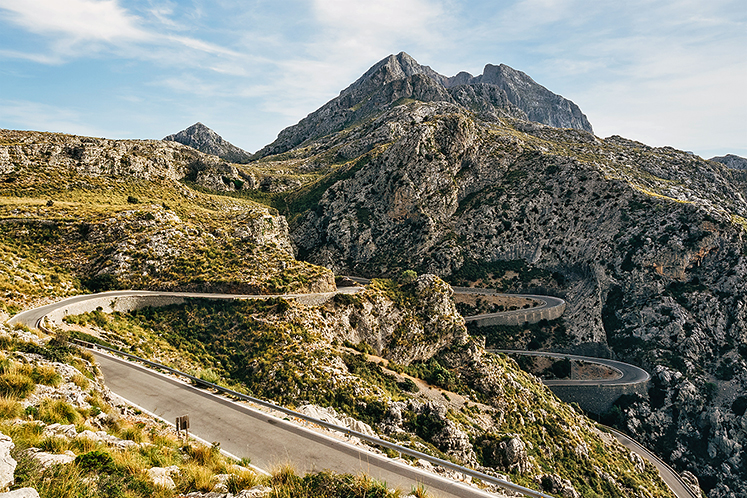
(7, 462)
(162, 476)
(46, 460)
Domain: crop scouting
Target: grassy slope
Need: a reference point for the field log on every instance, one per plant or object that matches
(173, 237)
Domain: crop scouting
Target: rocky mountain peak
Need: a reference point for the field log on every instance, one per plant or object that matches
(731, 161)
(200, 137)
(499, 92)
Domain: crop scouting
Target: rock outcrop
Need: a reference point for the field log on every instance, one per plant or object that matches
(7, 462)
(200, 137)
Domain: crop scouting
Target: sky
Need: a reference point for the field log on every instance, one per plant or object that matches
(661, 72)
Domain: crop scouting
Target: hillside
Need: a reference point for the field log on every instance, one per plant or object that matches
(83, 214)
(420, 381)
(646, 244)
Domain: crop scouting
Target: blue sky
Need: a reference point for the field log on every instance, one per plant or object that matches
(661, 72)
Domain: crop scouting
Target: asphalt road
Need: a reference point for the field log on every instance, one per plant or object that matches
(31, 317)
(546, 302)
(668, 474)
(630, 374)
(267, 440)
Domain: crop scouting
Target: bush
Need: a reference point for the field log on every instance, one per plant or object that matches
(408, 277)
(96, 462)
(132, 200)
(562, 369)
(47, 375)
(58, 412)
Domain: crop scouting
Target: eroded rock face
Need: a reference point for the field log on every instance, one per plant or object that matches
(499, 92)
(647, 246)
(137, 159)
(402, 333)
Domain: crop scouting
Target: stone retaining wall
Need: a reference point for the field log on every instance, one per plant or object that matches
(597, 399)
(519, 317)
(110, 304)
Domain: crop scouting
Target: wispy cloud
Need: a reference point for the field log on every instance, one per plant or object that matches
(80, 28)
(78, 20)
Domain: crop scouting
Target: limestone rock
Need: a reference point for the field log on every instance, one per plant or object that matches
(7, 462)
(731, 161)
(501, 91)
(162, 476)
(554, 484)
(331, 416)
(48, 459)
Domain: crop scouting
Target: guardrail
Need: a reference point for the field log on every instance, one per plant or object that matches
(348, 432)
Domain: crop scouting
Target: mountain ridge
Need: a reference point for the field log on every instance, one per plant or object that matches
(499, 92)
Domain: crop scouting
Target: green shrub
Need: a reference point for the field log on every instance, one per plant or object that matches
(96, 462)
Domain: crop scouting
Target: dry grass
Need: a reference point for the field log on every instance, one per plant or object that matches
(10, 408)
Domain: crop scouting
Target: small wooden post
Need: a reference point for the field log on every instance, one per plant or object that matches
(182, 424)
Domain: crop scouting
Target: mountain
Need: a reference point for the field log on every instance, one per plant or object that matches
(731, 161)
(646, 244)
(200, 137)
(499, 92)
(82, 214)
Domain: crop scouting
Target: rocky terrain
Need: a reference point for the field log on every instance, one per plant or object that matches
(499, 91)
(646, 244)
(421, 382)
(63, 433)
(81, 213)
(200, 137)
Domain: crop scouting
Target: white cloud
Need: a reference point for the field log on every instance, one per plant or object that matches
(80, 20)
(79, 28)
(369, 30)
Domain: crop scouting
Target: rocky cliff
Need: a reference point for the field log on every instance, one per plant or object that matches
(200, 137)
(646, 244)
(500, 91)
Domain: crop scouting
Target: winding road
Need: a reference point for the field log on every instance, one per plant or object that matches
(629, 374)
(269, 440)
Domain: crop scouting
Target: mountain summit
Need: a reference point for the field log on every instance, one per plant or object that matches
(499, 92)
(200, 137)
